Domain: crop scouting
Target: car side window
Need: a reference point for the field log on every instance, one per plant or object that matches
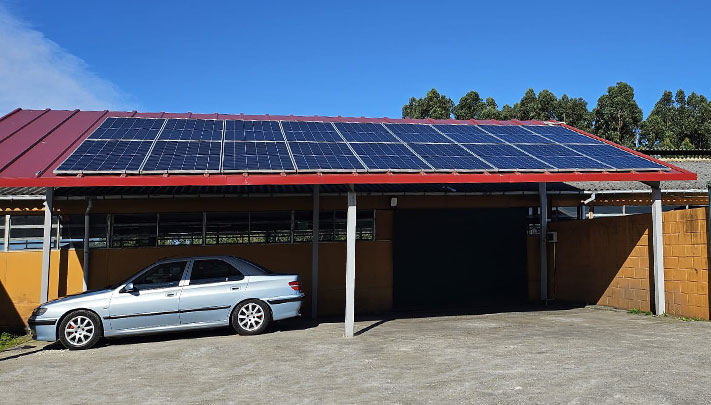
(213, 271)
(161, 276)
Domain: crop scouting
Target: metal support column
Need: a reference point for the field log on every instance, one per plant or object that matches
(658, 251)
(350, 261)
(542, 241)
(46, 244)
(6, 237)
(87, 225)
(314, 254)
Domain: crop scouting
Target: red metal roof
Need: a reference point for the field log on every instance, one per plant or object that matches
(34, 142)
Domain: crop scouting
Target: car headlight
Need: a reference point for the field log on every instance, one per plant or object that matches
(39, 311)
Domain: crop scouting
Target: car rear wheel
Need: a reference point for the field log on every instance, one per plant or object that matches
(80, 330)
(251, 317)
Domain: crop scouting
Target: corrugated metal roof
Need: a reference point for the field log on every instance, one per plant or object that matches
(702, 168)
(34, 142)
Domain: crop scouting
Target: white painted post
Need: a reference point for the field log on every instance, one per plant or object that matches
(87, 225)
(6, 237)
(46, 244)
(350, 262)
(542, 242)
(658, 251)
(314, 254)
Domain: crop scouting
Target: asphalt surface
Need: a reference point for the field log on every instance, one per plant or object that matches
(574, 356)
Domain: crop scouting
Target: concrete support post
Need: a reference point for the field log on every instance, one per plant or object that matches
(542, 241)
(87, 226)
(314, 254)
(46, 244)
(658, 251)
(350, 262)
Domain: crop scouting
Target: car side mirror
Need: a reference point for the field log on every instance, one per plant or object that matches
(129, 288)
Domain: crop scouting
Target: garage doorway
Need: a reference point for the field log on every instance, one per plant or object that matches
(459, 258)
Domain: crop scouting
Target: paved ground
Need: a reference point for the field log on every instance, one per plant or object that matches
(553, 356)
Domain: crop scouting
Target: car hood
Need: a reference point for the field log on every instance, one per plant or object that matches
(84, 296)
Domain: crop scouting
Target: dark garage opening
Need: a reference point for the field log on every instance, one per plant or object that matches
(459, 258)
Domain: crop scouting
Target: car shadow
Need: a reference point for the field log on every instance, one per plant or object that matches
(285, 325)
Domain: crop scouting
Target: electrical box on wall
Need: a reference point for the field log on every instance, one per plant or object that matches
(552, 237)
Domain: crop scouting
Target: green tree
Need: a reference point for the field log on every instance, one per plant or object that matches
(698, 110)
(617, 116)
(686, 144)
(658, 126)
(433, 105)
(547, 103)
(490, 111)
(574, 112)
(470, 106)
(528, 107)
(508, 112)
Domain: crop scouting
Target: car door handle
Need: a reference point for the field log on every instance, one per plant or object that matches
(170, 295)
(235, 288)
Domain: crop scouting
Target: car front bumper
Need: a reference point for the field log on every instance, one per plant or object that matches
(43, 328)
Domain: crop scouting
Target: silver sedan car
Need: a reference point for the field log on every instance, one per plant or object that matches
(171, 295)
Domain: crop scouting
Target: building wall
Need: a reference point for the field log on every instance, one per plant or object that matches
(608, 261)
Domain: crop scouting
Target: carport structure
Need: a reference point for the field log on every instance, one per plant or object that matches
(35, 146)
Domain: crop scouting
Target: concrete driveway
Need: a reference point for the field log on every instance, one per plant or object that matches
(578, 355)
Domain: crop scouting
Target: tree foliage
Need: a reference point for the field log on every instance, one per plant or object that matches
(617, 116)
(433, 105)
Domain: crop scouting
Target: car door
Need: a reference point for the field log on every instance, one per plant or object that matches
(155, 300)
(213, 287)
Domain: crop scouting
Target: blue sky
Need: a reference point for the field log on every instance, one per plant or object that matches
(342, 58)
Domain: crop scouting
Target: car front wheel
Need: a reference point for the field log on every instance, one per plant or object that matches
(251, 317)
(80, 330)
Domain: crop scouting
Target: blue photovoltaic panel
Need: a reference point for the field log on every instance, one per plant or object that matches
(507, 157)
(388, 156)
(310, 131)
(324, 156)
(417, 133)
(238, 130)
(191, 130)
(561, 134)
(256, 156)
(616, 157)
(449, 157)
(563, 158)
(128, 129)
(106, 156)
(514, 134)
(179, 156)
(467, 134)
(364, 132)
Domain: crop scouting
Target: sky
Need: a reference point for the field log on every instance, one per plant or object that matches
(357, 58)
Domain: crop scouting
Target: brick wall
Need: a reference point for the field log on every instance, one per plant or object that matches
(608, 261)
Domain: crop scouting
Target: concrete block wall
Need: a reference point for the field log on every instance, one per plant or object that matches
(608, 261)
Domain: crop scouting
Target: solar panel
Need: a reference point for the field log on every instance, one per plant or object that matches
(105, 156)
(237, 130)
(561, 134)
(417, 133)
(192, 130)
(122, 144)
(310, 131)
(388, 156)
(467, 134)
(256, 156)
(128, 129)
(449, 157)
(507, 157)
(364, 132)
(317, 156)
(181, 156)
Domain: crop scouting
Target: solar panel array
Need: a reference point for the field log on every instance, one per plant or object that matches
(157, 145)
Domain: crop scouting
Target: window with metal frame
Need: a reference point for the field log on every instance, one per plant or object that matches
(134, 230)
(72, 231)
(27, 232)
(180, 229)
(226, 228)
(213, 271)
(270, 227)
(161, 276)
(3, 228)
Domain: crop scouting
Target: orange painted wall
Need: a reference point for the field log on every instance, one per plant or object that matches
(608, 261)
